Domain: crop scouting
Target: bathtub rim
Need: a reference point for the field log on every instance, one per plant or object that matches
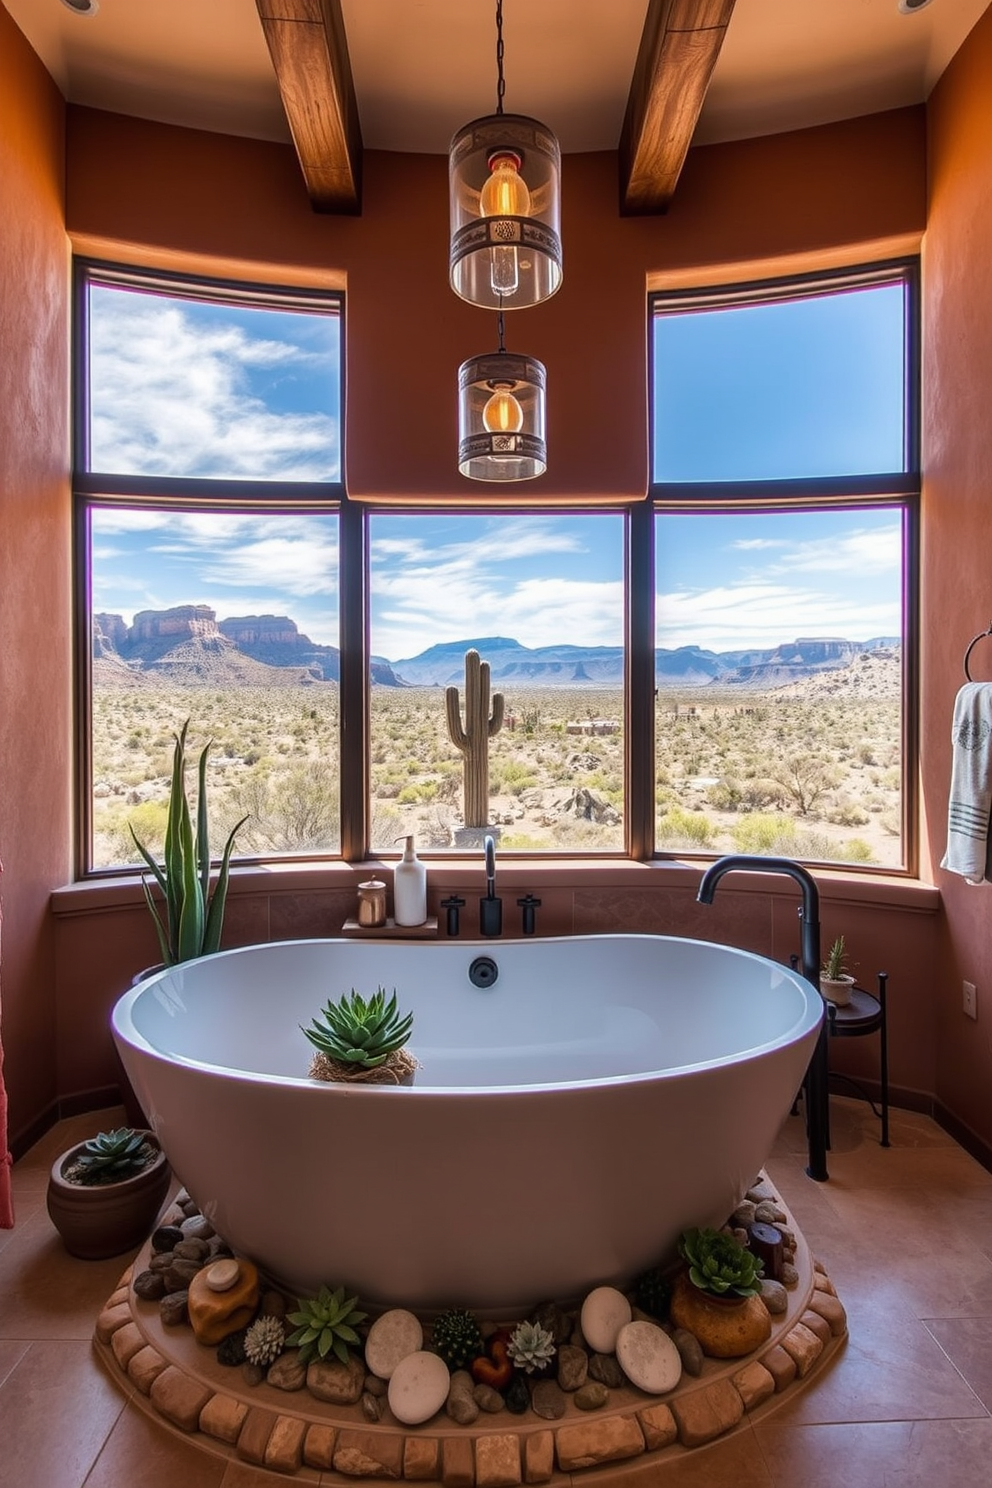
(806, 1024)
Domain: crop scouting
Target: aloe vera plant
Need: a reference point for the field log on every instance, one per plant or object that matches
(193, 918)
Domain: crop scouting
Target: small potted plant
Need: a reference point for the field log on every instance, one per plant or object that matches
(105, 1194)
(719, 1266)
(362, 1040)
(835, 980)
(193, 917)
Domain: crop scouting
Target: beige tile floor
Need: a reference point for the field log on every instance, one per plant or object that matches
(905, 1234)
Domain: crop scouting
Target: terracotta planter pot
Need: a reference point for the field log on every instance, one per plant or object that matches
(106, 1219)
(837, 989)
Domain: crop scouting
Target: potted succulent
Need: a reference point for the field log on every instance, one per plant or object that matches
(105, 1194)
(359, 1040)
(835, 980)
(325, 1324)
(719, 1266)
(193, 917)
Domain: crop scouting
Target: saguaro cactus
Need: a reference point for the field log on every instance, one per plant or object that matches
(473, 739)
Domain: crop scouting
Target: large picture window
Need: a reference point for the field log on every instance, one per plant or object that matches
(786, 474)
(728, 665)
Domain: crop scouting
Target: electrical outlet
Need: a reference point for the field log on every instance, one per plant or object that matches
(969, 999)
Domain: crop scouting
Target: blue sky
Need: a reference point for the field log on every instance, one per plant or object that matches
(186, 388)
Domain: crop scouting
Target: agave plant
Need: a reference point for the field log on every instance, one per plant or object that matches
(531, 1347)
(193, 917)
(720, 1265)
(360, 1033)
(111, 1156)
(325, 1324)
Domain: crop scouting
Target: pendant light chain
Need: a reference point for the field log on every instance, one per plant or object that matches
(500, 325)
(500, 79)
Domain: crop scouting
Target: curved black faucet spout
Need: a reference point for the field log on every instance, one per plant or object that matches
(809, 915)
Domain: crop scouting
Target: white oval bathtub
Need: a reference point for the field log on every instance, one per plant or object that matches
(566, 1124)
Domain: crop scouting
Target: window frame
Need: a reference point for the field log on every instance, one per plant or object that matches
(900, 490)
(92, 489)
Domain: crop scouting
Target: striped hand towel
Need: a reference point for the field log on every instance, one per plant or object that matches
(969, 841)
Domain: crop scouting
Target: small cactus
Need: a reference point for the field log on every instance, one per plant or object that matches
(653, 1293)
(456, 1337)
(264, 1341)
(531, 1347)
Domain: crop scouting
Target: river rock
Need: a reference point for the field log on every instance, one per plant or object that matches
(371, 1407)
(166, 1237)
(768, 1213)
(488, 1399)
(418, 1387)
(340, 1384)
(554, 1320)
(149, 1286)
(790, 1276)
(725, 1331)
(391, 1337)
(604, 1312)
(288, 1372)
(605, 1369)
(592, 1396)
(548, 1400)
(744, 1213)
(774, 1296)
(573, 1366)
(213, 1315)
(461, 1404)
(192, 1250)
(517, 1395)
(197, 1227)
(375, 1386)
(222, 1275)
(231, 1350)
(648, 1358)
(174, 1309)
(689, 1351)
(180, 1274)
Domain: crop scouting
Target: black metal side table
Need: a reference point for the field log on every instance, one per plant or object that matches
(864, 1014)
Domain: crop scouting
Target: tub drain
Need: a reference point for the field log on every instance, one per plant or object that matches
(483, 971)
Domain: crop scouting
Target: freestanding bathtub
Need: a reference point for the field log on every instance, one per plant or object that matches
(566, 1124)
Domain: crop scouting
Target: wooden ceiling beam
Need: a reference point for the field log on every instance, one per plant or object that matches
(679, 46)
(309, 51)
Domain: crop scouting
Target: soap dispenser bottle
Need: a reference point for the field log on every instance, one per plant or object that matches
(409, 887)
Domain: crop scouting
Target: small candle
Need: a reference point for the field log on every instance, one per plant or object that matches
(372, 903)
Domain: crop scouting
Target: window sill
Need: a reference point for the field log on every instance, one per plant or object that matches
(893, 891)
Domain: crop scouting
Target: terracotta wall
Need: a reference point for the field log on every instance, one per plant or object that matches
(149, 193)
(957, 525)
(211, 201)
(35, 674)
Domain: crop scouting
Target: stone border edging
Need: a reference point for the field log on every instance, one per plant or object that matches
(174, 1380)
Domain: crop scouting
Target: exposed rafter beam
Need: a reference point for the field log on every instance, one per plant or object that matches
(309, 51)
(680, 43)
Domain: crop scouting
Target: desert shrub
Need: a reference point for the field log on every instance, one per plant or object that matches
(762, 833)
(678, 828)
(856, 850)
(847, 814)
(297, 811)
(148, 819)
(386, 825)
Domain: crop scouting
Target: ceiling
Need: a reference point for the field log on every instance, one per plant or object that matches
(422, 68)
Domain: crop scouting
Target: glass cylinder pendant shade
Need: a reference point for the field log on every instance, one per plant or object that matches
(504, 177)
(501, 417)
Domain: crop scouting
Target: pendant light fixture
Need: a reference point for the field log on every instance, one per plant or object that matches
(504, 175)
(501, 416)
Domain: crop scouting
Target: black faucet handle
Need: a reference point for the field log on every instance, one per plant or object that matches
(528, 904)
(452, 904)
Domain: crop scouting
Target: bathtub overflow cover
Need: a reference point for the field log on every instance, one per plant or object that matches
(483, 971)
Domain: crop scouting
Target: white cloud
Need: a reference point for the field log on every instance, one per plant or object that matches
(739, 616)
(172, 397)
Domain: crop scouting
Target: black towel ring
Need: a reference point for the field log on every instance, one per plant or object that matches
(971, 646)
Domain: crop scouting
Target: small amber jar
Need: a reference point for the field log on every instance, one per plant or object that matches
(372, 903)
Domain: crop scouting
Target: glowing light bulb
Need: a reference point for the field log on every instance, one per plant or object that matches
(503, 196)
(503, 414)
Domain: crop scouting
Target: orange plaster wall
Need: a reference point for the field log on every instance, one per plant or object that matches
(957, 526)
(137, 188)
(35, 670)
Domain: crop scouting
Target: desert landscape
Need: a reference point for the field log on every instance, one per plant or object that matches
(809, 768)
